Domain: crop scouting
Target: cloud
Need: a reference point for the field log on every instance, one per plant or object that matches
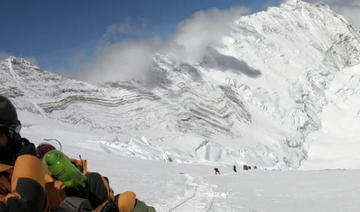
(128, 60)
(350, 9)
(128, 27)
(121, 61)
(203, 30)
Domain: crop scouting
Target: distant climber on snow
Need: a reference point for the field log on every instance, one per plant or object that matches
(217, 171)
(246, 167)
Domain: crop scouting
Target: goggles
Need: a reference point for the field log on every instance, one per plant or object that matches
(12, 129)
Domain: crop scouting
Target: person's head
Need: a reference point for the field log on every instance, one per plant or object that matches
(9, 124)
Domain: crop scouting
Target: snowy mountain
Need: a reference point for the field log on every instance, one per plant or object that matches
(264, 95)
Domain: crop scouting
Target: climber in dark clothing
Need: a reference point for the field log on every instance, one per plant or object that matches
(22, 185)
(217, 171)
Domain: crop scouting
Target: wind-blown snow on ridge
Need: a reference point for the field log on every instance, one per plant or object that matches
(257, 96)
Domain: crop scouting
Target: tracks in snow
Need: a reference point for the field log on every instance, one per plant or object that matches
(198, 197)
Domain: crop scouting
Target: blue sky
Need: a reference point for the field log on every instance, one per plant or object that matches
(57, 33)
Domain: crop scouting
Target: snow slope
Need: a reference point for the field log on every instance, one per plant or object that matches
(336, 144)
(174, 187)
(261, 95)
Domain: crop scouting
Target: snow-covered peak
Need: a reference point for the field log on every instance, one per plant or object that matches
(302, 5)
(294, 3)
(22, 62)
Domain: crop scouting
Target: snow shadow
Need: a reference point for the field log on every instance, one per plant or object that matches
(214, 59)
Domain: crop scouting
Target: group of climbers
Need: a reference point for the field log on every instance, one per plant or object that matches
(26, 185)
(245, 168)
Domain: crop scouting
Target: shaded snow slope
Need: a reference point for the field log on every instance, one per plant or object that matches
(260, 96)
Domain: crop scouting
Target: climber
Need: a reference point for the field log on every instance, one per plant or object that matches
(22, 185)
(26, 186)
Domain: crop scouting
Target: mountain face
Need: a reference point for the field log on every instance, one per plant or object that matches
(255, 98)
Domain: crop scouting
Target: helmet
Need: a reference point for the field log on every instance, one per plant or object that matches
(8, 117)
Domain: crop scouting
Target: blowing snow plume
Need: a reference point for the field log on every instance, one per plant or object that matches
(128, 60)
(203, 30)
(121, 61)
